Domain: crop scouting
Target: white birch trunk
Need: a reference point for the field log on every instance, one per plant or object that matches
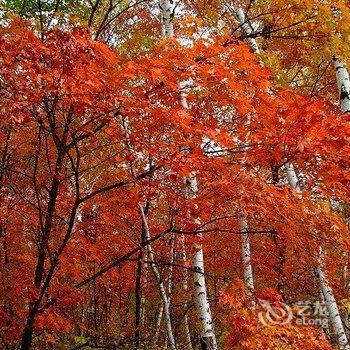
(163, 293)
(188, 341)
(332, 308)
(208, 339)
(158, 324)
(166, 11)
(325, 288)
(292, 177)
(202, 302)
(246, 29)
(170, 287)
(201, 299)
(246, 253)
(246, 259)
(171, 267)
(170, 277)
(327, 292)
(343, 82)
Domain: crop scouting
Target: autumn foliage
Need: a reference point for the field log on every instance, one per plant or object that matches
(92, 129)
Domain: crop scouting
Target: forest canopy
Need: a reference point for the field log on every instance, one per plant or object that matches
(174, 174)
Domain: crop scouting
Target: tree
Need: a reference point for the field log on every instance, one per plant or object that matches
(90, 134)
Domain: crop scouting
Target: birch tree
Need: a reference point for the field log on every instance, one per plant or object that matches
(160, 282)
(343, 82)
(208, 340)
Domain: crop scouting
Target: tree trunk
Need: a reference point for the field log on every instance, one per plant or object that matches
(202, 302)
(207, 337)
(246, 253)
(343, 84)
(246, 259)
(331, 304)
(158, 324)
(27, 334)
(159, 279)
(208, 340)
(188, 341)
(246, 29)
(166, 10)
(292, 177)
